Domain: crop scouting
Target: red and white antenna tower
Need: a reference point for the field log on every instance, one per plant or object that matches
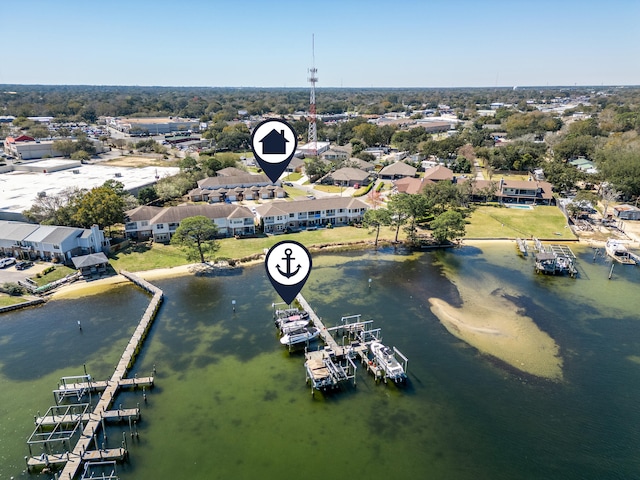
(313, 132)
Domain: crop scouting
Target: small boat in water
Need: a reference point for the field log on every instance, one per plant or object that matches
(385, 358)
(618, 251)
(302, 335)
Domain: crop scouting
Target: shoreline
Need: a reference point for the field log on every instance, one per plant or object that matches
(92, 287)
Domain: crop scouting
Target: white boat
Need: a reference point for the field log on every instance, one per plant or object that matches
(280, 322)
(618, 251)
(385, 358)
(300, 336)
(293, 326)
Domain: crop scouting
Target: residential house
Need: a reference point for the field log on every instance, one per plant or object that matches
(335, 155)
(235, 188)
(49, 242)
(230, 220)
(295, 165)
(438, 173)
(397, 170)
(230, 172)
(411, 185)
(279, 216)
(359, 163)
(348, 177)
(517, 191)
(137, 222)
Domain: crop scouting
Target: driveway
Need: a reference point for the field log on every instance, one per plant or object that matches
(12, 275)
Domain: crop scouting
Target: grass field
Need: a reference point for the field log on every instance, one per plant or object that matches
(484, 222)
(329, 188)
(151, 256)
(292, 177)
(500, 222)
(59, 272)
(6, 300)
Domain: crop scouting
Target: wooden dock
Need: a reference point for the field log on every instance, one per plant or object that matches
(324, 333)
(69, 418)
(81, 452)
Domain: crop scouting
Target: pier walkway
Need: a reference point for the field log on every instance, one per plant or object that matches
(324, 333)
(81, 450)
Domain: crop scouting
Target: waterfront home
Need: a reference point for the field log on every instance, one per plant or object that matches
(230, 219)
(49, 242)
(278, 216)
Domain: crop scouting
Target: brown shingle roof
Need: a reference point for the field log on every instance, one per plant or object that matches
(399, 168)
(143, 212)
(439, 172)
(327, 203)
(179, 213)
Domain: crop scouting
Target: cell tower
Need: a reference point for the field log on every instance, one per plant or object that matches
(313, 132)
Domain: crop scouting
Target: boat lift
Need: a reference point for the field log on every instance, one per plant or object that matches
(105, 470)
(74, 387)
(325, 369)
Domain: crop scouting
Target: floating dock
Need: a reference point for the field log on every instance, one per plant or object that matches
(62, 424)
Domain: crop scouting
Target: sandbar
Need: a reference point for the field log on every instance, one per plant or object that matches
(494, 326)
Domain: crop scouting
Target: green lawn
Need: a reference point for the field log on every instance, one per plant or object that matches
(59, 272)
(147, 256)
(6, 300)
(151, 256)
(292, 177)
(499, 222)
(329, 188)
(293, 192)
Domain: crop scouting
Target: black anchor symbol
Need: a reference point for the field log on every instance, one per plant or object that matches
(288, 259)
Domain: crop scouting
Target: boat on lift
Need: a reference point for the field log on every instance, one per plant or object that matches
(302, 335)
(618, 251)
(289, 327)
(385, 358)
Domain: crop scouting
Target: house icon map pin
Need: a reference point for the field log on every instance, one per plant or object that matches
(274, 144)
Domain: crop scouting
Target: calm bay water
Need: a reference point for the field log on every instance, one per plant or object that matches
(230, 402)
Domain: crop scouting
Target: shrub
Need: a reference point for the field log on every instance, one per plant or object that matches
(13, 289)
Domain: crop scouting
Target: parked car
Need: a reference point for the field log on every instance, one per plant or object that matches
(24, 265)
(5, 262)
(288, 184)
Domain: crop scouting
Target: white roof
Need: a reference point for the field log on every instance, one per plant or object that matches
(18, 190)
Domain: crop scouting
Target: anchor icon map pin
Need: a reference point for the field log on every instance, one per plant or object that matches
(288, 267)
(274, 144)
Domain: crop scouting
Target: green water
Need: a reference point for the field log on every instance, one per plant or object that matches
(229, 402)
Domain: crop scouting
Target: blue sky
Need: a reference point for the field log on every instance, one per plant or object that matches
(400, 43)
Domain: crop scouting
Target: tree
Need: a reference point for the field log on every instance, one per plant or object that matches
(65, 147)
(55, 209)
(100, 206)
(562, 175)
(399, 216)
(448, 226)
(374, 219)
(80, 155)
(196, 236)
(147, 195)
(316, 168)
(411, 208)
